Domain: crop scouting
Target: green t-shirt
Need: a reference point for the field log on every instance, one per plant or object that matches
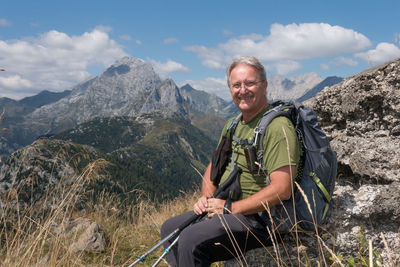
(281, 148)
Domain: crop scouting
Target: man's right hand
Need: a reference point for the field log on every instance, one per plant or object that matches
(200, 206)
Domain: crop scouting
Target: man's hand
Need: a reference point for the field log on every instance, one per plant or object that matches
(215, 206)
(200, 206)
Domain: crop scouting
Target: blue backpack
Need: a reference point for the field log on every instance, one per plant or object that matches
(316, 177)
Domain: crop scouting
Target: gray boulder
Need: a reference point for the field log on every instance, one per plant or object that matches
(82, 234)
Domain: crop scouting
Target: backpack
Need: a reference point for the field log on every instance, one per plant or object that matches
(317, 172)
(317, 175)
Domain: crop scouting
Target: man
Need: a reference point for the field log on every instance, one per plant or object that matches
(223, 236)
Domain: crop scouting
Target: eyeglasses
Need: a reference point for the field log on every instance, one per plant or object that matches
(247, 84)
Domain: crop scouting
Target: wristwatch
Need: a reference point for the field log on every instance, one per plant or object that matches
(228, 206)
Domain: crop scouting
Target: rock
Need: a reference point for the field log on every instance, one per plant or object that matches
(84, 234)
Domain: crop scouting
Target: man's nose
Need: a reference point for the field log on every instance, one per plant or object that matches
(243, 88)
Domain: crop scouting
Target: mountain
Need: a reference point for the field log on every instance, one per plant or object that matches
(127, 88)
(203, 102)
(280, 88)
(43, 98)
(329, 81)
(205, 108)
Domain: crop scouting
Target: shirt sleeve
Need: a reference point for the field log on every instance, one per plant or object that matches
(225, 129)
(281, 145)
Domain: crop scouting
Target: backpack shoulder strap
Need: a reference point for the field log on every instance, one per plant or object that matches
(232, 125)
(281, 109)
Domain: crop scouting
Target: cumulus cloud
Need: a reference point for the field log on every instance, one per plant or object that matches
(164, 69)
(54, 60)
(217, 86)
(170, 40)
(4, 22)
(15, 82)
(340, 61)
(286, 67)
(382, 53)
(285, 42)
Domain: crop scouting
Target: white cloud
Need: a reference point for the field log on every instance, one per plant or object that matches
(138, 42)
(227, 32)
(340, 61)
(170, 40)
(55, 61)
(210, 57)
(4, 22)
(217, 86)
(103, 28)
(290, 42)
(126, 37)
(164, 69)
(397, 38)
(324, 66)
(382, 53)
(14, 82)
(286, 67)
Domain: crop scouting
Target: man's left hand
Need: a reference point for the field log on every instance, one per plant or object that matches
(215, 206)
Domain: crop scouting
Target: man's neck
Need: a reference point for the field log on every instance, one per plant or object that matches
(248, 117)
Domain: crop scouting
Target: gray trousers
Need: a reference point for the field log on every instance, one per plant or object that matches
(220, 238)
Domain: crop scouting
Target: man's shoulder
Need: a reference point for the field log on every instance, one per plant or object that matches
(279, 123)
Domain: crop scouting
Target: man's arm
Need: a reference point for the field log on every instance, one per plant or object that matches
(278, 190)
(207, 191)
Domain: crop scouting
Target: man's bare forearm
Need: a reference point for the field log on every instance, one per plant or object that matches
(207, 187)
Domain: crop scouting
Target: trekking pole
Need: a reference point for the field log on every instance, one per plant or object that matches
(221, 192)
(165, 252)
(174, 233)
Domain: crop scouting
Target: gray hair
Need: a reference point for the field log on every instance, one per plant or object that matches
(250, 61)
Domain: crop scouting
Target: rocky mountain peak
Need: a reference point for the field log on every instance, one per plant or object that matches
(291, 88)
(128, 87)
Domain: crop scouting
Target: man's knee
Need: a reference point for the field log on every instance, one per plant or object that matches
(165, 228)
(187, 240)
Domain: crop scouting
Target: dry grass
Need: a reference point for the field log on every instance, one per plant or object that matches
(27, 235)
(130, 231)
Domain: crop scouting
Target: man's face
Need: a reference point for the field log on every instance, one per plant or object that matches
(247, 90)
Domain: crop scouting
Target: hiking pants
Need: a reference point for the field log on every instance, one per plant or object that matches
(222, 237)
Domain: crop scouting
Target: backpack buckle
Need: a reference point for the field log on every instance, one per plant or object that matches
(257, 132)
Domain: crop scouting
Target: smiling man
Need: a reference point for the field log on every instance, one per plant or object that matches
(233, 227)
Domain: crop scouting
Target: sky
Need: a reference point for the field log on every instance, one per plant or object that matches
(54, 45)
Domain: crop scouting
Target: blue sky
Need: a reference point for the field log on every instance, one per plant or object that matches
(54, 45)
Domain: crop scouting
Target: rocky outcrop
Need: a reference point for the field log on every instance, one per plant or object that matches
(81, 234)
(361, 115)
